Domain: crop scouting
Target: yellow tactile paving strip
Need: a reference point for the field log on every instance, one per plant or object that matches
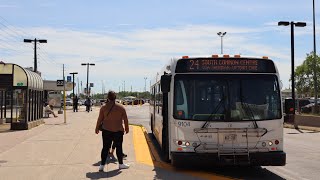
(146, 154)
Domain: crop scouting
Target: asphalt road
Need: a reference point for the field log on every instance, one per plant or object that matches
(302, 148)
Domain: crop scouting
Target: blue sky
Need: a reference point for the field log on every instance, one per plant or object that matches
(130, 40)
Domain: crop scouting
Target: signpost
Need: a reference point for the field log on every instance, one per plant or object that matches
(60, 83)
(68, 78)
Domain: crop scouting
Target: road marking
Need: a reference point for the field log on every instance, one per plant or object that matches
(147, 154)
(141, 148)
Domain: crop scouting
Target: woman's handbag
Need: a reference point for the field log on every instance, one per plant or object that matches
(100, 126)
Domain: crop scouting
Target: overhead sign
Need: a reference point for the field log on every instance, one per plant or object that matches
(20, 84)
(225, 65)
(68, 78)
(59, 82)
(91, 84)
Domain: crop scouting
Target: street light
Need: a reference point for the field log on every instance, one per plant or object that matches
(35, 68)
(221, 34)
(292, 24)
(73, 73)
(145, 84)
(87, 64)
(315, 63)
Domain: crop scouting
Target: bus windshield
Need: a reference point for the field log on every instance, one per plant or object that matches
(227, 97)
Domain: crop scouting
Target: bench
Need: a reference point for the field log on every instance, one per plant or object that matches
(47, 113)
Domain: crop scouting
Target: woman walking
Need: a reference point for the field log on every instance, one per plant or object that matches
(111, 118)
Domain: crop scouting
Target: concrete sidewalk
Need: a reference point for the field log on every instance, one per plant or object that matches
(57, 150)
(68, 151)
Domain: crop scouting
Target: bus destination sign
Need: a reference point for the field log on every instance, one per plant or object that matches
(225, 65)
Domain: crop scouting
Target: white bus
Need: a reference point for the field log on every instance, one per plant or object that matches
(219, 110)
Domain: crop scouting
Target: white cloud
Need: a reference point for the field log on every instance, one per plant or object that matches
(139, 53)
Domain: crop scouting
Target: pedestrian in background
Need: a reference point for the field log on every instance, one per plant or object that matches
(87, 103)
(111, 118)
(75, 104)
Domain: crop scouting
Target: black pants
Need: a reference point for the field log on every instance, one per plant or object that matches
(107, 138)
(75, 107)
(88, 108)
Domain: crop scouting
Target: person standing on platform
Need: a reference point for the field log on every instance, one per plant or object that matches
(75, 104)
(87, 103)
(111, 118)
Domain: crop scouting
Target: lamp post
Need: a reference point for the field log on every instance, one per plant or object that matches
(73, 73)
(292, 24)
(35, 68)
(316, 110)
(88, 64)
(145, 84)
(221, 34)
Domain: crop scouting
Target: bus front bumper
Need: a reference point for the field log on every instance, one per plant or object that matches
(255, 159)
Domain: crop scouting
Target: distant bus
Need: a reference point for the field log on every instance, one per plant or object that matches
(218, 110)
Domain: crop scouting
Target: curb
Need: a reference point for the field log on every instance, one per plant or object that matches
(308, 128)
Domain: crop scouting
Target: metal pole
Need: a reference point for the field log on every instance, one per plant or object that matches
(78, 87)
(315, 63)
(145, 84)
(73, 85)
(88, 94)
(221, 45)
(64, 97)
(35, 56)
(292, 74)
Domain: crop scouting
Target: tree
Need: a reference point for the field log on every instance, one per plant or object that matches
(304, 75)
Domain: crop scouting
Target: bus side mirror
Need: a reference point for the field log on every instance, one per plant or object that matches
(165, 83)
(289, 106)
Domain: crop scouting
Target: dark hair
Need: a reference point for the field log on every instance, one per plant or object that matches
(112, 95)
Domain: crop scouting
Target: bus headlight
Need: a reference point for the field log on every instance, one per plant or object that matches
(264, 144)
(270, 143)
(187, 143)
(194, 144)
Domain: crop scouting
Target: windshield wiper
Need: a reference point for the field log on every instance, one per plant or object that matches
(246, 107)
(215, 110)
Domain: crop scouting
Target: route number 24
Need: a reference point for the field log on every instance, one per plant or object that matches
(194, 64)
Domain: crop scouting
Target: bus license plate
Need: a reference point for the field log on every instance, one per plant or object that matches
(230, 137)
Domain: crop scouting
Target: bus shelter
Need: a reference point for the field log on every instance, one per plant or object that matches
(21, 97)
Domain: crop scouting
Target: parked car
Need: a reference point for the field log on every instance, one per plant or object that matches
(69, 102)
(138, 101)
(302, 103)
(307, 108)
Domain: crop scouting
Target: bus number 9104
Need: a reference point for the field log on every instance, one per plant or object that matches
(183, 124)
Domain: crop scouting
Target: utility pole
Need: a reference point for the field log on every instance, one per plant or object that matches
(221, 34)
(292, 25)
(87, 86)
(78, 87)
(316, 110)
(64, 97)
(73, 82)
(35, 68)
(145, 84)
